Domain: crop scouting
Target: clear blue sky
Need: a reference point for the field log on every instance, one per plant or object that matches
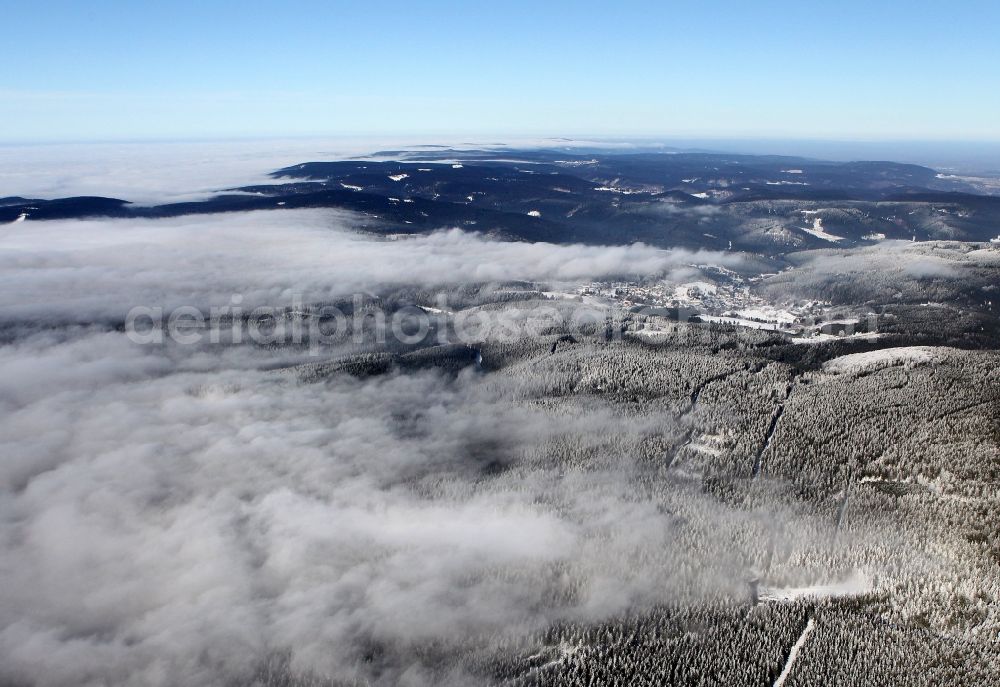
(873, 69)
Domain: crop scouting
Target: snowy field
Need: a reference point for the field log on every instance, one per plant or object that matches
(887, 357)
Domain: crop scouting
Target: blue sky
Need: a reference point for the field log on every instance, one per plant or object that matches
(829, 70)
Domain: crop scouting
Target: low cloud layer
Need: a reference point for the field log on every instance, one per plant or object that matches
(168, 526)
(152, 173)
(80, 270)
(174, 515)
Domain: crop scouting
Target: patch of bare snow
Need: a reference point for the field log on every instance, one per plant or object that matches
(886, 357)
(768, 314)
(652, 335)
(560, 295)
(617, 189)
(435, 311)
(821, 337)
(820, 233)
(705, 448)
(738, 321)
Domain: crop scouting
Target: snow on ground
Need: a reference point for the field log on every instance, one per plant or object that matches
(709, 444)
(818, 231)
(652, 335)
(435, 311)
(534, 213)
(705, 448)
(685, 290)
(876, 360)
(561, 295)
(617, 189)
(785, 182)
(854, 585)
(983, 256)
(820, 338)
(793, 654)
(351, 187)
(740, 322)
(768, 314)
(877, 236)
(398, 177)
(701, 195)
(792, 171)
(20, 218)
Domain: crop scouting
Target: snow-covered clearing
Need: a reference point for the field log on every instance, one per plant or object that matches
(876, 360)
(435, 311)
(561, 295)
(820, 337)
(817, 230)
(705, 448)
(740, 322)
(653, 335)
(768, 314)
(617, 189)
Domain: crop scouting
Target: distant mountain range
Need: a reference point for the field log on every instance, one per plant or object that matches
(766, 204)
